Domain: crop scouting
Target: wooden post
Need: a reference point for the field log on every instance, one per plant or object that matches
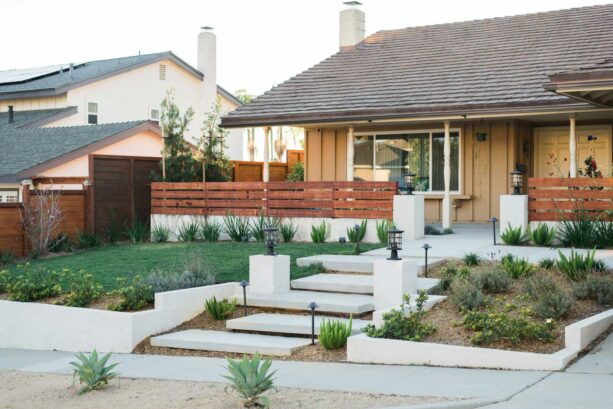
(266, 172)
(350, 154)
(572, 146)
(446, 217)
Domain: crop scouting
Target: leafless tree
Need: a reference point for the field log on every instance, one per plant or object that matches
(41, 218)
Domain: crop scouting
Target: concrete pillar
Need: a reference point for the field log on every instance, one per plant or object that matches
(350, 155)
(446, 208)
(352, 28)
(268, 274)
(391, 280)
(409, 215)
(207, 64)
(572, 146)
(266, 174)
(514, 212)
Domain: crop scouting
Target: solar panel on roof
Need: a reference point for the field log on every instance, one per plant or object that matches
(21, 75)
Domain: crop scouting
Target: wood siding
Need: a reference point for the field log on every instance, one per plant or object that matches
(326, 155)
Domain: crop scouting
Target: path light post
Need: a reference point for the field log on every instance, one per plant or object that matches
(494, 220)
(517, 181)
(312, 306)
(270, 238)
(426, 247)
(394, 242)
(244, 284)
(409, 182)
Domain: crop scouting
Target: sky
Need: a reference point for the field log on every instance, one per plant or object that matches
(260, 43)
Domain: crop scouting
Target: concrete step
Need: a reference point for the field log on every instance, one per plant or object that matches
(221, 341)
(299, 300)
(287, 323)
(361, 263)
(349, 283)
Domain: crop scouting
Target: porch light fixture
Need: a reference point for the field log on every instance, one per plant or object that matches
(517, 181)
(270, 238)
(244, 284)
(394, 242)
(312, 307)
(493, 220)
(409, 182)
(426, 247)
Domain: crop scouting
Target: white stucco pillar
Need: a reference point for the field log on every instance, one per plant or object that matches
(408, 215)
(514, 212)
(350, 155)
(266, 174)
(391, 280)
(446, 208)
(268, 274)
(572, 146)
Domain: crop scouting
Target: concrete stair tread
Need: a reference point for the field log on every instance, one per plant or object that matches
(287, 323)
(360, 263)
(349, 283)
(299, 300)
(222, 341)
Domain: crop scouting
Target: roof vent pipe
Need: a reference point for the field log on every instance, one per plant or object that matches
(11, 114)
(71, 69)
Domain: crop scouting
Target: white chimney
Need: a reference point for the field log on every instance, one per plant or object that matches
(352, 26)
(207, 65)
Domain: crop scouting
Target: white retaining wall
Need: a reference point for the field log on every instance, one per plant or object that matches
(54, 327)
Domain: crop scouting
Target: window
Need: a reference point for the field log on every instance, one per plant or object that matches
(384, 157)
(92, 113)
(9, 196)
(154, 115)
(162, 72)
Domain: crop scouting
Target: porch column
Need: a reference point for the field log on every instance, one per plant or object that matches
(266, 173)
(350, 154)
(572, 145)
(446, 217)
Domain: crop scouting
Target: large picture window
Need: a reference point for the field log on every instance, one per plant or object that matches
(386, 157)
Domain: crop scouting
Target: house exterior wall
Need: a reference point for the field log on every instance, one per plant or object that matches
(326, 154)
(234, 139)
(33, 104)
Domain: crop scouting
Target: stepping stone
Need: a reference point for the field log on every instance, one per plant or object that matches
(349, 283)
(359, 264)
(221, 341)
(288, 323)
(299, 300)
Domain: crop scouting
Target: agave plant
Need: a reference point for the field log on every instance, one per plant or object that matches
(249, 378)
(576, 266)
(333, 334)
(514, 236)
(219, 309)
(542, 235)
(93, 371)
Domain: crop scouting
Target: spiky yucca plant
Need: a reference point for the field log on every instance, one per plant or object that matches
(333, 334)
(93, 371)
(542, 235)
(514, 236)
(249, 378)
(576, 266)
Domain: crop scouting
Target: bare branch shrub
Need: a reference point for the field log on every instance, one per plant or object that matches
(41, 218)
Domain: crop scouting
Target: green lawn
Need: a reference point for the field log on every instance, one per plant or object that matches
(229, 260)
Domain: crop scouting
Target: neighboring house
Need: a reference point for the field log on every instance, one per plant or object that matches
(459, 104)
(123, 89)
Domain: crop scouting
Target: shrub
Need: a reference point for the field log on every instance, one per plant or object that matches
(6, 257)
(261, 223)
(539, 284)
(198, 268)
(493, 281)
(86, 240)
(447, 230)
(603, 237)
(576, 266)
(471, 259)
(82, 289)
(138, 232)
(515, 267)
(4, 279)
(467, 295)
(160, 234)
(41, 216)
(113, 232)
(288, 231)
(450, 273)
(514, 236)
(195, 272)
(60, 243)
(599, 266)
(542, 235)
(403, 323)
(321, 233)
(333, 334)
(188, 232)
(250, 378)
(500, 326)
(219, 309)
(580, 231)
(547, 263)
(133, 294)
(550, 300)
(33, 284)
(356, 233)
(93, 371)
(382, 227)
(238, 228)
(210, 230)
(596, 288)
(296, 173)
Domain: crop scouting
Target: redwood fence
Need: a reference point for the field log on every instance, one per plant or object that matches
(364, 200)
(553, 199)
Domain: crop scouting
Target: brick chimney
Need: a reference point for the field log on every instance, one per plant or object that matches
(352, 26)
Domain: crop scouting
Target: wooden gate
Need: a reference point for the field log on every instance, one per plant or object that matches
(121, 191)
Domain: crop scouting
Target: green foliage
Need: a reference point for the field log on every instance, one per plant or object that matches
(500, 326)
(432, 230)
(450, 273)
(219, 309)
(446, 231)
(250, 378)
(356, 233)
(6, 257)
(212, 145)
(333, 334)
(210, 230)
(60, 243)
(237, 227)
(320, 233)
(188, 232)
(31, 284)
(493, 281)
(539, 284)
(471, 259)
(382, 227)
(576, 266)
(514, 236)
(160, 234)
(579, 231)
(195, 272)
(4, 279)
(86, 240)
(82, 289)
(603, 234)
(550, 300)
(542, 235)
(138, 232)
(596, 288)
(296, 173)
(113, 232)
(93, 371)
(262, 222)
(516, 267)
(403, 323)
(467, 295)
(547, 263)
(288, 231)
(133, 294)
(599, 266)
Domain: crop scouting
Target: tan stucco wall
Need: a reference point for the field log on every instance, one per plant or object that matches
(32, 104)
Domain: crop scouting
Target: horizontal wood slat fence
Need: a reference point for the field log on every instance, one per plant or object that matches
(553, 199)
(364, 200)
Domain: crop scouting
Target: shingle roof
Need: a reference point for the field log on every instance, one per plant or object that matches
(497, 62)
(22, 119)
(24, 148)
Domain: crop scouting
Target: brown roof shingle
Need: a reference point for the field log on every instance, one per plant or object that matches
(497, 62)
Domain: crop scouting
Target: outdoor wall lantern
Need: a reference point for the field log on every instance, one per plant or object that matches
(426, 247)
(481, 136)
(494, 220)
(270, 238)
(394, 242)
(517, 181)
(409, 182)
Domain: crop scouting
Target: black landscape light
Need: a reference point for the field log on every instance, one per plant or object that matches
(394, 242)
(312, 307)
(270, 238)
(493, 220)
(244, 284)
(426, 247)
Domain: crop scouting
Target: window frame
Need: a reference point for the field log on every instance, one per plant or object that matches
(429, 131)
(16, 195)
(88, 112)
(151, 115)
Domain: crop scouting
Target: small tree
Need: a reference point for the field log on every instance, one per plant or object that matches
(41, 218)
(212, 143)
